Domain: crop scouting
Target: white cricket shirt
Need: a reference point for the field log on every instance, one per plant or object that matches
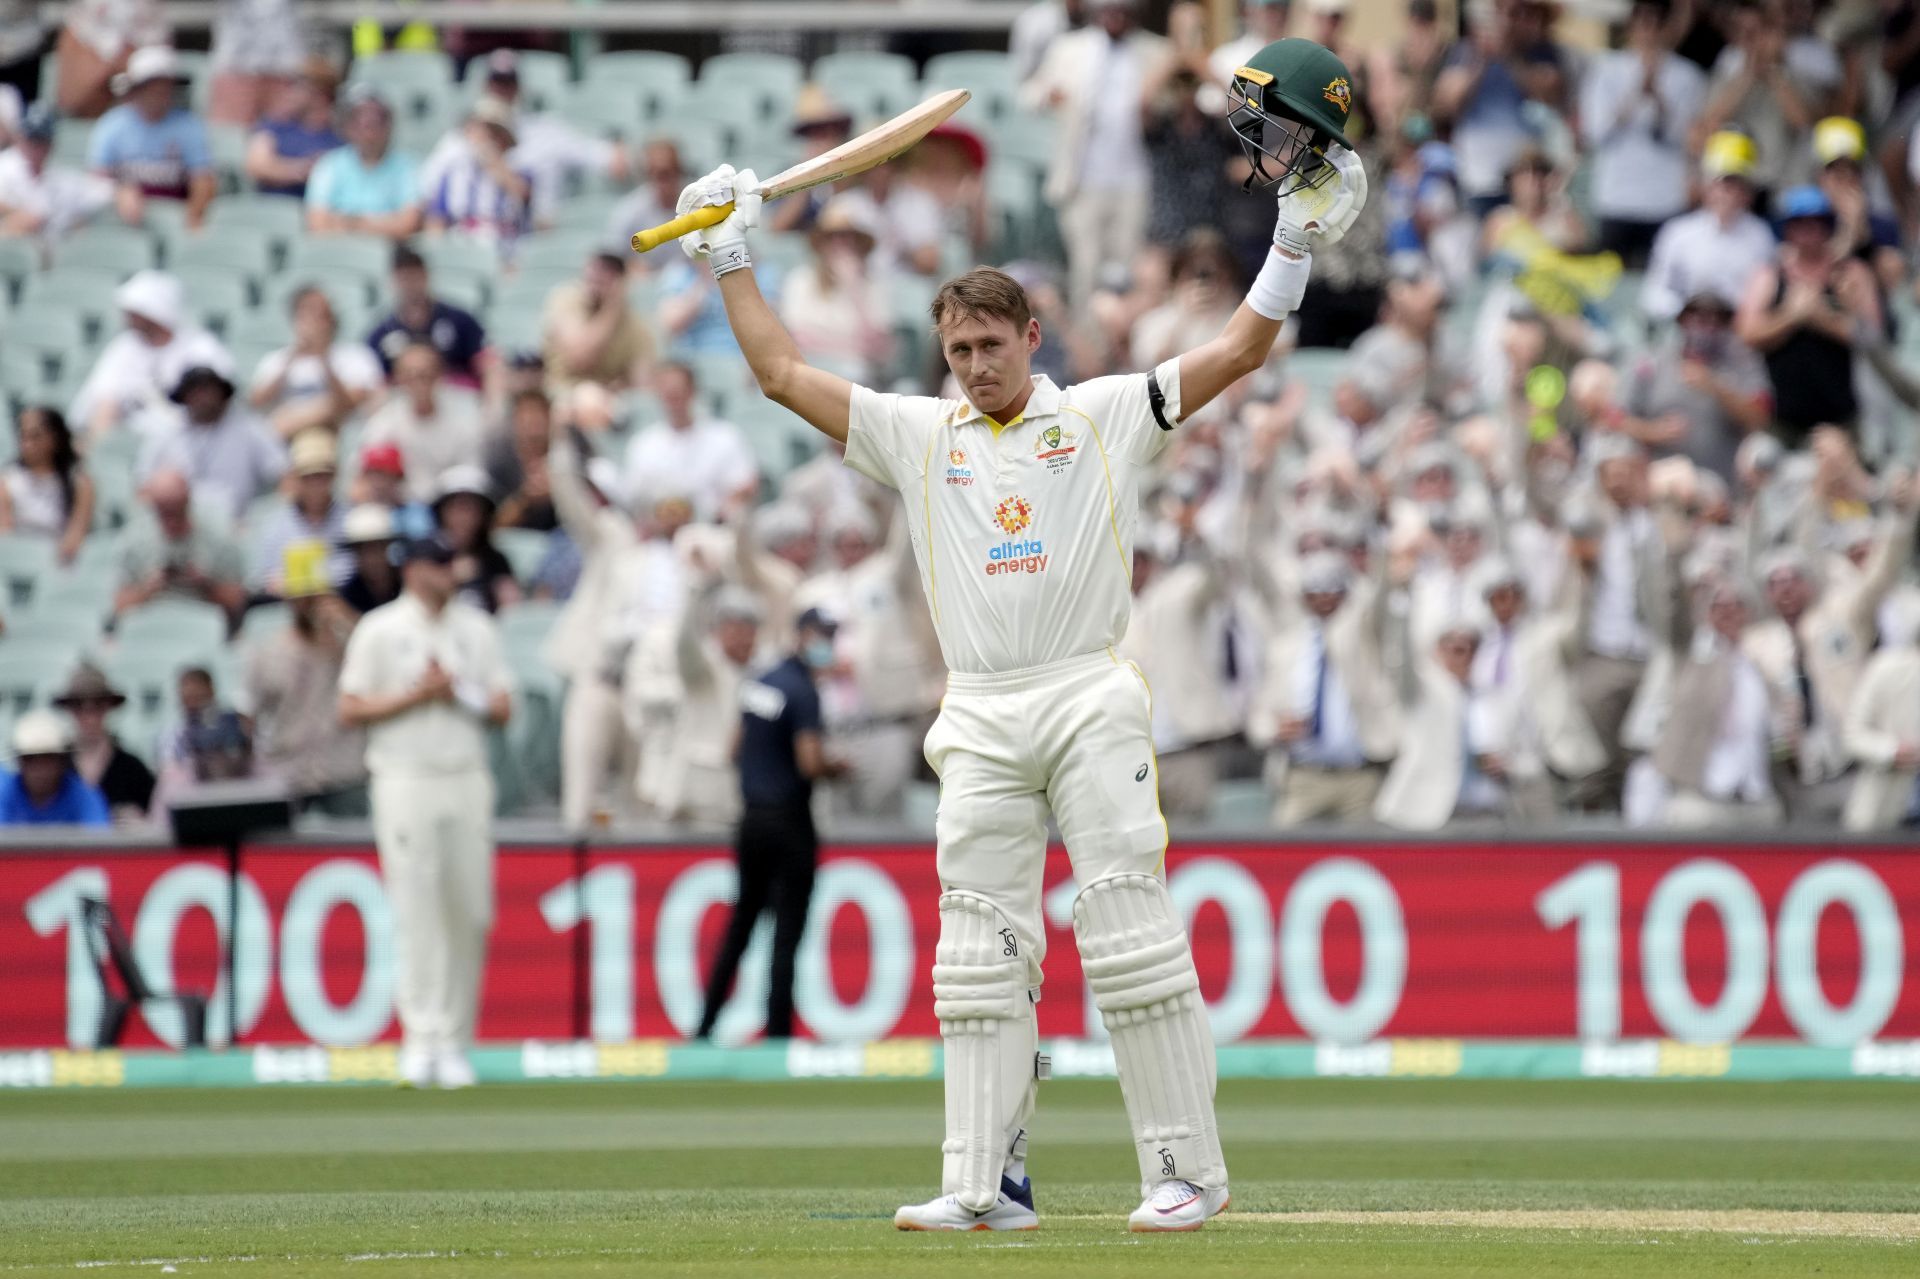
(1024, 536)
(389, 653)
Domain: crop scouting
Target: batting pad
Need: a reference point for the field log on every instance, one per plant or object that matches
(1136, 958)
(991, 1037)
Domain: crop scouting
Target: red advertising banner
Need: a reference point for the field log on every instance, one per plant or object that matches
(1340, 944)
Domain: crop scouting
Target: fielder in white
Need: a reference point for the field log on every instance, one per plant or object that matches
(1021, 500)
(425, 677)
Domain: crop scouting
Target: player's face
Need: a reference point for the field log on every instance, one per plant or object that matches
(990, 357)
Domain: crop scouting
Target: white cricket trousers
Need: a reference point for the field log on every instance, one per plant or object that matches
(435, 836)
(1074, 737)
(594, 743)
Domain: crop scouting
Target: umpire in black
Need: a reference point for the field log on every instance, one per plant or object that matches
(781, 754)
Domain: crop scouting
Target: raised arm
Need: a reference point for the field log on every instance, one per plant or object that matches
(823, 399)
(1324, 211)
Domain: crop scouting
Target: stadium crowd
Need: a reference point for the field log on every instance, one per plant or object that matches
(1582, 487)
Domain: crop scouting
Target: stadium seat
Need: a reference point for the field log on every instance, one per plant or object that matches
(221, 300)
(1318, 369)
(24, 559)
(280, 217)
(90, 588)
(868, 82)
(545, 77)
(409, 67)
(175, 625)
(524, 549)
(74, 622)
(18, 259)
(609, 110)
(228, 143)
(349, 292)
(78, 289)
(765, 85)
(514, 325)
(320, 257)
(586, 215)
(659, 79)
(554, 253)
(27, 667)
(104, 247)
(72, 141)
(23, 376)
(248, 250)
(54, 333)
(985, 74)
(1025, 136)
(524, 627)
(464, 289)
(149, 677)
(457, 253)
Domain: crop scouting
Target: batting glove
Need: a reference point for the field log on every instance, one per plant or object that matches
(724, 244)
(1324, 211)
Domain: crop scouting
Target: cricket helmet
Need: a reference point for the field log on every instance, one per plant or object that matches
(1287, 105)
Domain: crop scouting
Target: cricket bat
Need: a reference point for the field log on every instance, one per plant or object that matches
(856, 155)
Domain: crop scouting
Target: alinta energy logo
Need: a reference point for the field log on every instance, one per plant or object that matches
(958, 472)
(1014, 515)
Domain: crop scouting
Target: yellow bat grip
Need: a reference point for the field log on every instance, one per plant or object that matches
(704, 216)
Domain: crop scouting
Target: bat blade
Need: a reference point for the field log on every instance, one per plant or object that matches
(856, 155)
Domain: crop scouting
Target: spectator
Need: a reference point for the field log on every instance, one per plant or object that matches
(1537, 206)
(949, 167)
(836, 308)
(1700, 390)
(226, 452)
(1188, 150)
(820, 124)
(1401, 77)
(1636, 108)
(1327, 713)
(464, 509)
(1840, 148)
(150, 146)
(1450, 767)
(591, 331)
(292, 678)
(207, 742)
(317, 382)
(98, 756)
(714, 642)
(548, 147)
(39, 198)
(1882, 730)
(1034, 30)
(23, 39)
(1799, 314)
(908, 224)
(312, 515)
(418, 316)
(1099, 177)
(1395, 362)
(662, 176)
(96, 42)
(364, 187)
(1485, 85)
(1771, 86)
(425, 678)
(45, 491)
(44, 789)
(706, 458)
(1261, 23)
(585, 645)
(434, 423)
(179, 559)
(1711, 766)
(383, 481)
(367, 534)
(480, 189)
(1719, 246)
(139, 367)
(287, 144)
(517, 465)
(1205, 290)
(258, 50)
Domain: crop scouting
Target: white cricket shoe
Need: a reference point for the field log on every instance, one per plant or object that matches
(453, 1070)
(415, 1068)
(1177, 1205)
(1012, 1210)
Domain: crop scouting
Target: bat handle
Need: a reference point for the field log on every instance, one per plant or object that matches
(705, 216)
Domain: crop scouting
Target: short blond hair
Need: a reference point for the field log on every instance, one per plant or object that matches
(985, 292)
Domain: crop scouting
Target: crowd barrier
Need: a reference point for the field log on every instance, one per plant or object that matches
(1341, 944)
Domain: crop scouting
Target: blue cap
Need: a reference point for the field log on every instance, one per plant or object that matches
(1807, 201)
(816, 619)
(435, 550)
(37, 124)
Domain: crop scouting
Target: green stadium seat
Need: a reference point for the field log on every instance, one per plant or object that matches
(660, 79)
(28, 667)
(76, 587)
(319, 257)
(54, 333)
(263, 622)
(524, 627)
(985, 74)
(176, 625)
(72, 142)
(1024, 136)
(702, 145)
(524, 548)
(870, 83)
(282, 218)
(586, 215)
(24, 559)
(404, 67)
(228, 143)
(73, 622)
(106, 248)
(1318, 369)
(220, 300)
(247, 250)
(18, 259)
(23, 376)
(149, 676)
(350, 293)
(607, 110)
(767, 84)
(457, 253)
(79, 289)
(556, 252)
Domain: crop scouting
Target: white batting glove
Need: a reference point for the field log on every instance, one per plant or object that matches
(1324, 211)
(724, 244)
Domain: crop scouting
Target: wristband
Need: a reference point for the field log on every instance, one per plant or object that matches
(728, 257)
(1282, 281)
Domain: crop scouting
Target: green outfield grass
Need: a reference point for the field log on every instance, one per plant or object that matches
(800, 1180)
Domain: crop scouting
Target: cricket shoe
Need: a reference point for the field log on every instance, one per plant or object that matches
(415, 1068)
(453, 1070)
(1177, 1205)
(1012, 1210)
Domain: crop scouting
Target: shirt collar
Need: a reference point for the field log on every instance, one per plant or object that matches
(1044, 402)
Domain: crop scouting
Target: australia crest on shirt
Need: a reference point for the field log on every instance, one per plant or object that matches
(1054, 448)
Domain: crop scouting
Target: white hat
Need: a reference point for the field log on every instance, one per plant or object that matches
(155, 62)
(367, 523)
(736, 604)
(41, 733)
(1496, 571)
(464, 478)
(781, 523)
(1325, 573)
(154, 296)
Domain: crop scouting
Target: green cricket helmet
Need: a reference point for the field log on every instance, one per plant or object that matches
(1287, 106)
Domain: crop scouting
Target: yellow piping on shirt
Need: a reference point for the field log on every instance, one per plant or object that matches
(926, 507)
(1113, 510)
